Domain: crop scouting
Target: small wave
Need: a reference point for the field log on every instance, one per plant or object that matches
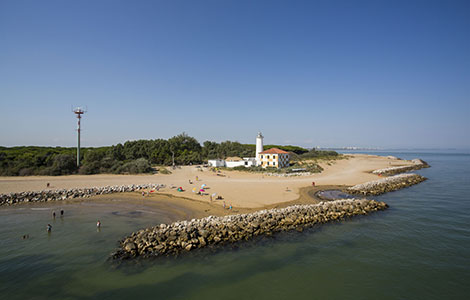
(146, 211)
(40, 208)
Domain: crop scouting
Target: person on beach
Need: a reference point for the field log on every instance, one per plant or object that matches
(230, 207)
(48, 227)
(48, 184)
(224, 204)
(143, 194)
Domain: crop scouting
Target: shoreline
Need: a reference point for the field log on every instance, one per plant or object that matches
(239, 189)
(244, 191)
(191, 217)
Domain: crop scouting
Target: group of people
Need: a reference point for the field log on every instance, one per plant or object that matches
(61, 213)
(229, 207)
(49, 226)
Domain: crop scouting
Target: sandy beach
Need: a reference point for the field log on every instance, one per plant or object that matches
(239, 189)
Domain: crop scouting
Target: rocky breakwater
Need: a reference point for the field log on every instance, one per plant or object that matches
(184, 236)
(62, 194)
(387, 184)
(417, 164)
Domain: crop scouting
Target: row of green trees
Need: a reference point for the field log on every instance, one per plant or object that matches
(130, 157)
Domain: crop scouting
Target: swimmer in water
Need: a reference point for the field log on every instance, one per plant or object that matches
(53, 214)
(49, 228)
(61, 212)
(98, 224)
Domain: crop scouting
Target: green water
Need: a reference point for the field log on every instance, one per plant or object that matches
(418, 249)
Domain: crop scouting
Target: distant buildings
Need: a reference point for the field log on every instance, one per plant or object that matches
(271, 158)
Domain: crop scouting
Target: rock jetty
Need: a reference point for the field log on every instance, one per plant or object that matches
(417, 164)
(184, 236)
(63, 194)
(387, 184)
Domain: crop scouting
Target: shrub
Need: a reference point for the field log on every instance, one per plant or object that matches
(164, 171)
(63, 164)
(140, 165)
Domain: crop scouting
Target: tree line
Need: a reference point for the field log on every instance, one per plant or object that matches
(131, 157)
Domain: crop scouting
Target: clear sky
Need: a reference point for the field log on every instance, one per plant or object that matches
(311, 73)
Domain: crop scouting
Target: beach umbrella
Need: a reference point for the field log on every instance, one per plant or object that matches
(194, 190)
(202, 186)
(201, 190)
(214, 194)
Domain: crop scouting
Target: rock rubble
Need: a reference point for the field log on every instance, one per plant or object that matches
(417, 164)
(63, 194)
(387, 184)
(184, 236)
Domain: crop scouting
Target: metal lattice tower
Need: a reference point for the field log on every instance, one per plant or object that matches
(79, 112)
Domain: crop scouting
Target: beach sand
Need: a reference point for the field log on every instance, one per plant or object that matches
(244, 191)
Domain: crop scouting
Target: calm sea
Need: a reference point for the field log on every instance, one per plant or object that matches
(418, 249)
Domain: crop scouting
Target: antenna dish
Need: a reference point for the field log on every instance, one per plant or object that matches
(79, 110)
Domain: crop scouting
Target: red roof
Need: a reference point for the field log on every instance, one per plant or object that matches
(274, 151)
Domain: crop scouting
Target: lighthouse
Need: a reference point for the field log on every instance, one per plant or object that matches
(259, 148)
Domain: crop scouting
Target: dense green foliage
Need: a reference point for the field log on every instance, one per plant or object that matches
(293, 149)
(131, 157)
(319, 154)
(37, 161)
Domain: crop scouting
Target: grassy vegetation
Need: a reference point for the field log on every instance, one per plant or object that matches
(163, 170)
(307, 166)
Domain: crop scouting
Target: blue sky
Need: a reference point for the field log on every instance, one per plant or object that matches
(311, 73)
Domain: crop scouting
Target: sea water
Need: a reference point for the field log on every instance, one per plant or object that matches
(417, 249)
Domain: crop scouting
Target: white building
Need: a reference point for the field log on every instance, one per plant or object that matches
(216, 163)
(232, 162)
(273, 157)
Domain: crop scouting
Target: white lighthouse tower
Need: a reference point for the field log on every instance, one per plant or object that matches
(259, 148)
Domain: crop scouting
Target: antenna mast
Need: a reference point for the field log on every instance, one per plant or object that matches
(79, 112)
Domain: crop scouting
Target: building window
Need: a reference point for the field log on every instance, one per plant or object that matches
(268, 163)
(261, 156)
(274, 163)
